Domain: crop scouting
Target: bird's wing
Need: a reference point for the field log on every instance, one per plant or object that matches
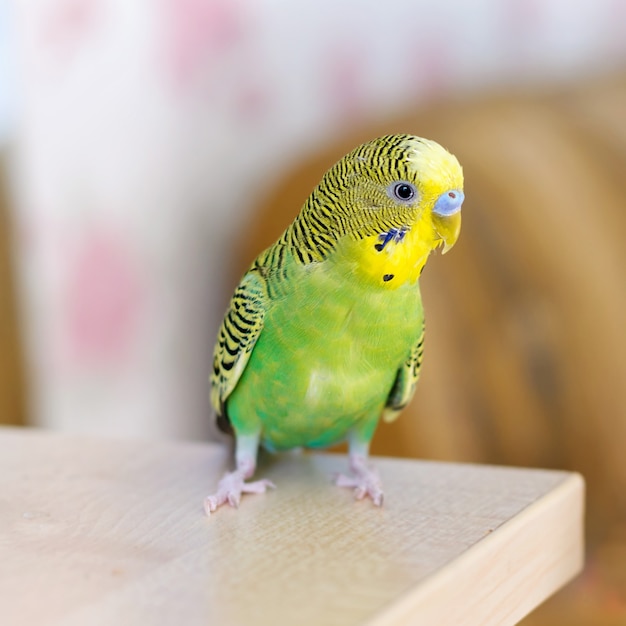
(237, 337)
(406, 380)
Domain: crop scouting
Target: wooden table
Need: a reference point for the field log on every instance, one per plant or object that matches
(112, 533)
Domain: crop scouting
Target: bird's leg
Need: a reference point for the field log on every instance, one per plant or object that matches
(364, 479)
(233, 484)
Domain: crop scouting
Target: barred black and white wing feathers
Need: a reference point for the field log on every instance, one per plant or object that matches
(406, 381)
(237, 337)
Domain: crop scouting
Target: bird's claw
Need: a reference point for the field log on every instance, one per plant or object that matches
(365, 483)
(230, 489)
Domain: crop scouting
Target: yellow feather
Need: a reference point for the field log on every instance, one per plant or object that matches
(402, 260)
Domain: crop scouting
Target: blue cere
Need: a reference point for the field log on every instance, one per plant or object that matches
(449, 203)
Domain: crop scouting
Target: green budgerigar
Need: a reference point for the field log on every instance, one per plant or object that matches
(324, 334)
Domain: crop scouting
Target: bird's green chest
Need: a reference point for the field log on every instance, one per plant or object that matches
(327, 357)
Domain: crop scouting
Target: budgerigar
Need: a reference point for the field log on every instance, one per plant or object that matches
(324, 334)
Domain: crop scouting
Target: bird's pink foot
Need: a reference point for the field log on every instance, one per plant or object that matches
(230, 488)
(365, 481)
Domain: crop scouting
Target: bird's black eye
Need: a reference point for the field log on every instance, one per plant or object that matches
(404, 191)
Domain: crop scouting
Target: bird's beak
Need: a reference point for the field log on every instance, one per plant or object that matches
(447, 218)
(448, 229)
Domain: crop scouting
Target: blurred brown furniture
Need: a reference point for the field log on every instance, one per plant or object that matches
(12, 401)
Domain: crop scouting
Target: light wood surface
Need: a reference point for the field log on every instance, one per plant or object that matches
(96, 532)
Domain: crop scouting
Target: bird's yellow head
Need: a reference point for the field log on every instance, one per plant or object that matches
(386, 206)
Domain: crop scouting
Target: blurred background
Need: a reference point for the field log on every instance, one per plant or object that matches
(149, 150)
